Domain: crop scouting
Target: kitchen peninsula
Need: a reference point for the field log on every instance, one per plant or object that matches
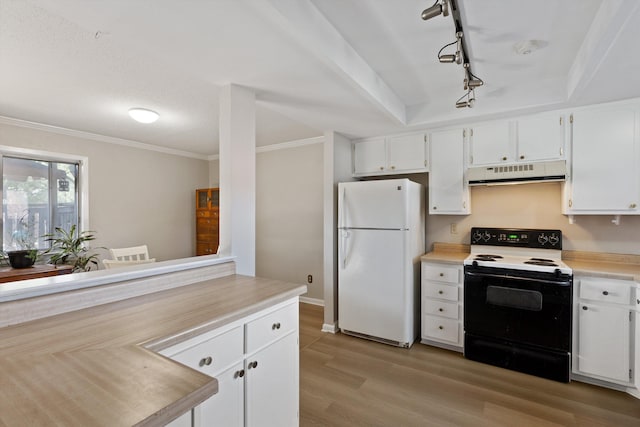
(98, 365)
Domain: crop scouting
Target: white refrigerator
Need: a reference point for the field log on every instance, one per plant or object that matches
(380, 240)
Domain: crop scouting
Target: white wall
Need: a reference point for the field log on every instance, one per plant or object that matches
(289, 202)
(136, 196)
(536, 206)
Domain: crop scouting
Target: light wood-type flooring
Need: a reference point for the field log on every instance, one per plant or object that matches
(347, 381)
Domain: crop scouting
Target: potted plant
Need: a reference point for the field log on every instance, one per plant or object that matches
(68, 247)
(24, 239)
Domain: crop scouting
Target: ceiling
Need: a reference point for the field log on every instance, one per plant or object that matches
(360, 68)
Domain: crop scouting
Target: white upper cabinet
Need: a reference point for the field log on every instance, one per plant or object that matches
(448, 189)
(540, 137)
(492, 143)
(605, 161)
(392, 155)
(527, 139)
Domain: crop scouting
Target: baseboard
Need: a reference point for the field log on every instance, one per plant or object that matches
(331, 328)
(313, 301)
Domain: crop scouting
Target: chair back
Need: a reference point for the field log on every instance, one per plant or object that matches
(110, 263)
(134, 253)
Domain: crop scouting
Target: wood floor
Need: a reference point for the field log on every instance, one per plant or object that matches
(347, 381)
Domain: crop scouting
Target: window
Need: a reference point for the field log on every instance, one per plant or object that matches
(38, 195)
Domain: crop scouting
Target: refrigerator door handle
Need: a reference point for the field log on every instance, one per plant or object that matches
(343, 247)
(342, 206)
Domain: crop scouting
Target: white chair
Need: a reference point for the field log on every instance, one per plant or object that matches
(134, 253)
(123, 257)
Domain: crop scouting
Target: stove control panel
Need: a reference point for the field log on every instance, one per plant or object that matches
(517, 237)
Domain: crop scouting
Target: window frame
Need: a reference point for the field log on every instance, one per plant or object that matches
(48, 156)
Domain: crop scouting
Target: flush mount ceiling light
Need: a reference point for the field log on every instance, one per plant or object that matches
(470, 81)
(439, 7)
(526, 47)
(143, 115)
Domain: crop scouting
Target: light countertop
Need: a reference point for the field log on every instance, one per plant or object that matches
(92, 366)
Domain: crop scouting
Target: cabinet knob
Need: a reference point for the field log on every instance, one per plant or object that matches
(205, 361)
(440, 327)
(275, 326)
(435, 207)
(440, 292)
(584, 307)
(253, 364)
(521, 157)
(381, 168)
(441, 274)
(632, 205)
(441, 309)
(393, 167)
(504, 158)
(238, 374)
(605, 293)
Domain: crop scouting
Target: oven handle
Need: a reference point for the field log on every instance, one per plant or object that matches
(559, 282)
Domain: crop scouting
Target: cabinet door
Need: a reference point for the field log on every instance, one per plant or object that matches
(272, 384)
(491, 143)
(540, 137)
(225, 408)
(605, 167)
(369, 157)
(407, 153)
(448, 189)
(603, 341)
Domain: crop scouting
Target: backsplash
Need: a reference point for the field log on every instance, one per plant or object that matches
(536, 206)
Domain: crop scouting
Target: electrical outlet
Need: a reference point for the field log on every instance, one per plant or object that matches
(454, 228)
(309, 279)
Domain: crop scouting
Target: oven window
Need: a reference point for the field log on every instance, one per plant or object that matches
(514, 298)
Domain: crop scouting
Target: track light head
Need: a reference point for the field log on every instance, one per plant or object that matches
(447, 58)
(474, 83)
(439, 7)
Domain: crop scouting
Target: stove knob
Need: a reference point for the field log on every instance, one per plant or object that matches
(542, 239)
(477, 236)
(486, 236)
(554, 239)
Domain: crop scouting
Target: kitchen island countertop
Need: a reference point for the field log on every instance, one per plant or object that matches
(93, 366)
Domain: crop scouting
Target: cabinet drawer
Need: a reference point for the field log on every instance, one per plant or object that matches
(440, 291)
(440, 308)
(441, 273)
(607, 290)
(207, 223)
(270, 327)
(213, 354)
(441, 329)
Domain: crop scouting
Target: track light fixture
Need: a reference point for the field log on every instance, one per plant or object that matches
(439, 7)
(470, 81)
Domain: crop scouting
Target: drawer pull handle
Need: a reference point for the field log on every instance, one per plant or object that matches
(605, 293)
(205, 361)
(584, 307)
(275, 326)
(440, 327)
(239, 374)
(253, 364)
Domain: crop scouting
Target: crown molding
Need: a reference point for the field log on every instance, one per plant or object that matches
(97, 137)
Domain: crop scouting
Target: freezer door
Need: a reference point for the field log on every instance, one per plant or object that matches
(374, 284)
(373, 204)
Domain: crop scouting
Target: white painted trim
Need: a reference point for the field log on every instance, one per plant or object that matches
(290, 144)
(312, 301)
(97, 137)
(330, 328)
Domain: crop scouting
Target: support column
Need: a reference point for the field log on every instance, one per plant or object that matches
(238, 177)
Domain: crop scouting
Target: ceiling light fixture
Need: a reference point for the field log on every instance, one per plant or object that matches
(470, 81)
(143, 115)
(439, 7)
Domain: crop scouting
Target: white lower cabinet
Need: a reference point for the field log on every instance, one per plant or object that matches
(603, 330)
(256, 363)
(441, 310)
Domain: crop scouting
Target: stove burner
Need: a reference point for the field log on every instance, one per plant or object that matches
(542, 259)
(487, 257)
(546, 263)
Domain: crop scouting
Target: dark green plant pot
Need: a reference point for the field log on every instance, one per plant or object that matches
(21, 259)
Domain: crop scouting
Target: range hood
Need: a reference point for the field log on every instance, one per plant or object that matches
(520, 173)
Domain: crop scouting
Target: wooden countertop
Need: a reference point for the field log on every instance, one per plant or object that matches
(91, 367)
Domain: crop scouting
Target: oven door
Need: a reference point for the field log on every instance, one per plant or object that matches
(522, 307)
